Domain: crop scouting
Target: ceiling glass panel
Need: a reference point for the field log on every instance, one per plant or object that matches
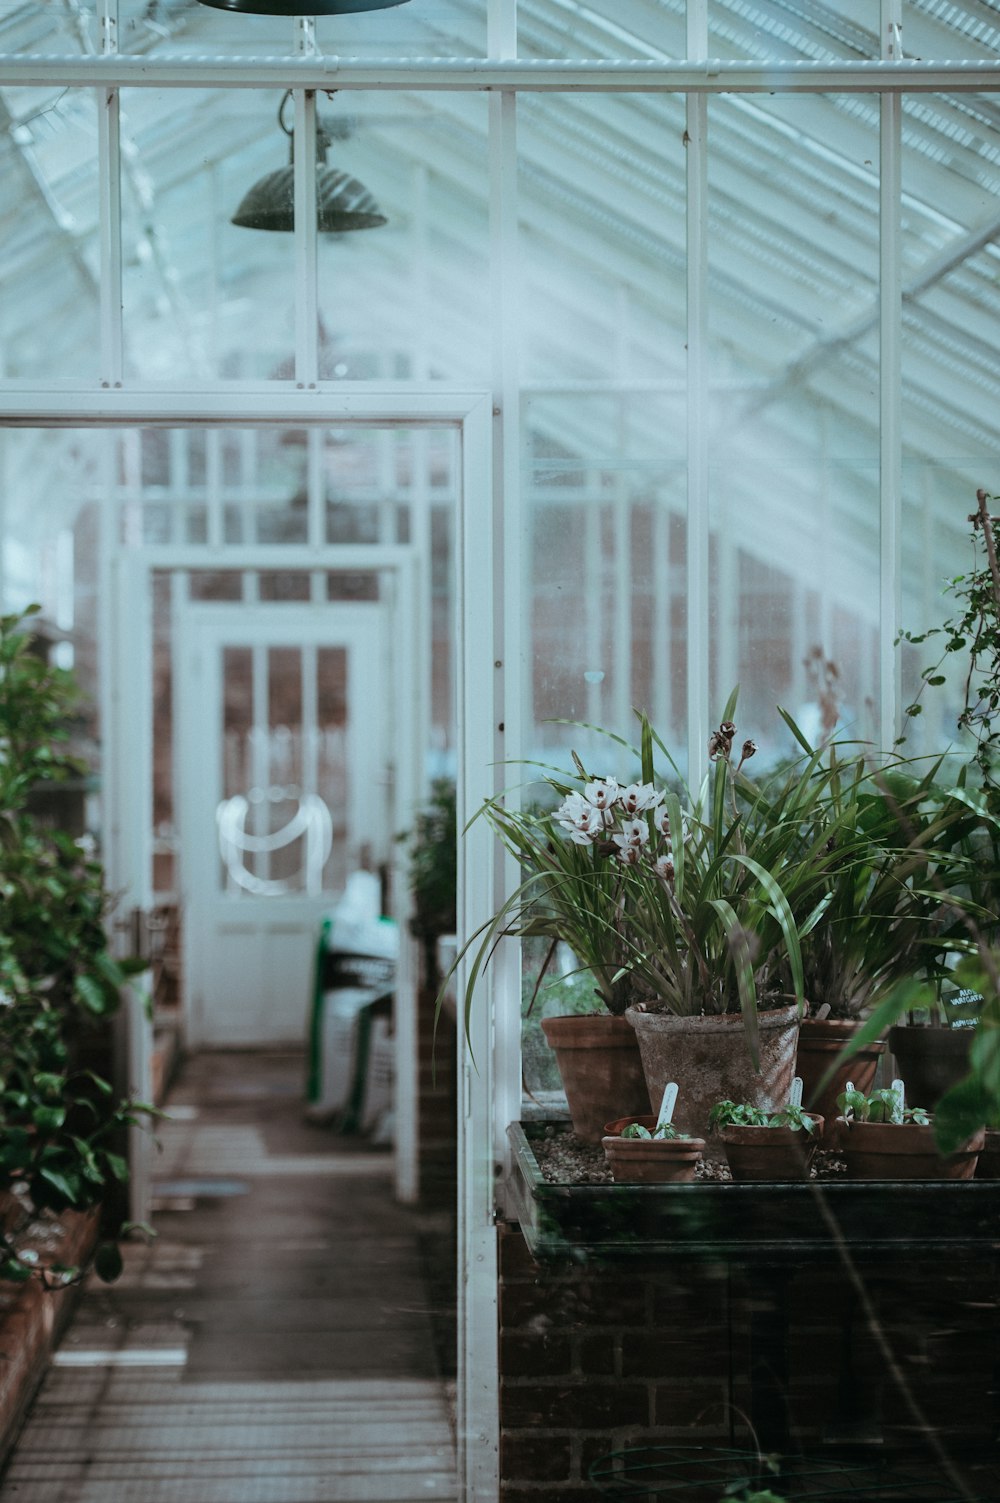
(793, 407)
(49, 312)
(951, 372)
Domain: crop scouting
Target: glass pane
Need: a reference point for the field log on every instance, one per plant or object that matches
(966, 30)
(606, 565)
(759, 29)
(332, 754)
(951, 381)
(793, 412)
(49, 313)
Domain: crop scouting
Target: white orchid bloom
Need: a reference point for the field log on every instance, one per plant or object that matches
(630, 855)
(633, 835)
(637, 798)
(664, 868)
(583, 822)
(663, 823)
(602, 793)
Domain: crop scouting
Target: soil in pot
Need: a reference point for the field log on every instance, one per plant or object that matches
(601, 1070)
(709, 1059)
(930, 1060)
(905, 1150)
(770, 1153)
(819, 1044)
(650, 1161)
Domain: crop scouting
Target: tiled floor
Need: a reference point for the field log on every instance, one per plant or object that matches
(273, 1345)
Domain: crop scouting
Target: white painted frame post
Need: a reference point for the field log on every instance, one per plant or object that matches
(890, 382)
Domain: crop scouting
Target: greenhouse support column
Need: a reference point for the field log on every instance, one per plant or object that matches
(306, 316)
(110, 210)
(699, 710)
(890, 381)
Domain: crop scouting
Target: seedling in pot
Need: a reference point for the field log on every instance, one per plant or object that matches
(729, 1114)
(886, 1105)
(664, 1130)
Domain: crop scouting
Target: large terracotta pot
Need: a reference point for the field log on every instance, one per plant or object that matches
(650, 1161)
(819, 1044)
(770, 1153)
(930, 1060)
(710, 1061)
(904, 1150)
(601, 1070)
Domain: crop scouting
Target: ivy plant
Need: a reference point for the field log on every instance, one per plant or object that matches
(60, 1125)
(883, 1105)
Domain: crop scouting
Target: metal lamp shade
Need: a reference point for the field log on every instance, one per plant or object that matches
(342, 203)
(300, 7)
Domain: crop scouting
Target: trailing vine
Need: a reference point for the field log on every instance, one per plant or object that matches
(975, 630)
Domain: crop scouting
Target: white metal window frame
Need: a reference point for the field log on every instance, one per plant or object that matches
(490, 679)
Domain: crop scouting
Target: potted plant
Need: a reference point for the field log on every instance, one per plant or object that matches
(894, 901)
(432, 845)
(762, 1145)
(882, 1138)
(642, 1152)
(681, 909)
(60, 1126)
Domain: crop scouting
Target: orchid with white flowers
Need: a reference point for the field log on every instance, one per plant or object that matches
(682, 903)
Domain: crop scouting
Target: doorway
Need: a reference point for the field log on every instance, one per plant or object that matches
(285, 787)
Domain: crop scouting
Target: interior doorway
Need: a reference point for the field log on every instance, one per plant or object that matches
(286, 786)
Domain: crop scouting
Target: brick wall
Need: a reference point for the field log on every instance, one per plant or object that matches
(598, 1359)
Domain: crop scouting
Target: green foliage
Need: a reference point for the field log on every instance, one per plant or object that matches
(433, 850)
(975, 633)
(733, 1114)
(666, 1130)
(59, 1123)
(883, 1105)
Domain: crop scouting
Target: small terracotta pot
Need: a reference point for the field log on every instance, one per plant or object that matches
(774, 1153)
(650, 1161)
(820, 1041)
(601, 1069)
(903, 1150)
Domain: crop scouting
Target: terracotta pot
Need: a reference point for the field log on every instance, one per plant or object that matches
(774, 1153)
(650, 1161)
(709, 1059)
(601, 1070)
(819, 1044)
(988, 1166)
(905, 1150)
(930, 1060)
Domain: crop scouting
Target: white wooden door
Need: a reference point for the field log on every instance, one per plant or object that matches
(285, 788)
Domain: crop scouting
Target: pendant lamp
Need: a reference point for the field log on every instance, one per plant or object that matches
(300, 7)
(342, 203)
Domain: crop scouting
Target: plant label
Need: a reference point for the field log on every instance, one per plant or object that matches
(668, 1103)
(795, 1094)
(899, 1103)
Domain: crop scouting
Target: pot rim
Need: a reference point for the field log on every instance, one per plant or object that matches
(767, 1018)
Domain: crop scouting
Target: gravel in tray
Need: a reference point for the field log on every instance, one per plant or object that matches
(565, 1159)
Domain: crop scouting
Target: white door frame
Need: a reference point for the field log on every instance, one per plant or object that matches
(129, 747)
(487, 712)
(202, 624)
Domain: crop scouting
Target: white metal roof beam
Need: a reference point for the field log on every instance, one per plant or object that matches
(716, 76)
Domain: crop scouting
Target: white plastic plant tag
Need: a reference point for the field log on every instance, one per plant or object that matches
(668, 1103)
(795, 1094)
(899, 1101)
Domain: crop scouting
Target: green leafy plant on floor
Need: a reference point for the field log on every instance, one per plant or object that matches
(60, 1125)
